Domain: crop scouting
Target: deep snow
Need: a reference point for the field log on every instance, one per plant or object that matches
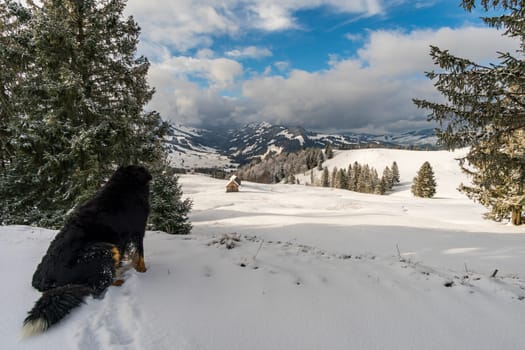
(314, 268)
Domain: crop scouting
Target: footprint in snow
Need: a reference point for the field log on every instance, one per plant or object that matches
(114, 320)
(207, 271)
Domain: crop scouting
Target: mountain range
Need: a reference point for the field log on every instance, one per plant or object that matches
(218, 148)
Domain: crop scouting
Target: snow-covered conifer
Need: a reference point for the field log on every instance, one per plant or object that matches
(341, 179)
(333, 177)
(381, 186)
(485, 110)
(395, 174)
(325, 178)
(364, 183)
(76, 109)
(329, 152)
(356, 172)
(350, 182)
(424, 184)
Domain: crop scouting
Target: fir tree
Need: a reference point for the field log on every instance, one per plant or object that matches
(486, 111)
(167, 201)
(424, 184)
(14, 38)
(325, 178)
(341, 179)
(310, 160)
(498, 186)
(329, 152)
(350, 182)
(280, 174)
(364, 184)
(76, 111)
(332, 178)
(313, 158)
(374, 179)
(388, 175)
(395, 174)
(355, 175)
(382, 186)
(320, 160)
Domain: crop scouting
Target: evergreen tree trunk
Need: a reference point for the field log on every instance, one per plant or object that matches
(517, 209)
(516, 215)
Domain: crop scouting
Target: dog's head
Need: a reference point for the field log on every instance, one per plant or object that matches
(132, 174)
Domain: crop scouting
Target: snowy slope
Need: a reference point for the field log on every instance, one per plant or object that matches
(314, 268)
(447, 172)
(186, 152)
(203, 157)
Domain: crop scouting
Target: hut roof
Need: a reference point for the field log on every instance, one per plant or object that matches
(235, 179)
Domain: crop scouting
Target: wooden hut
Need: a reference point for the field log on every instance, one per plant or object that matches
(233, 184)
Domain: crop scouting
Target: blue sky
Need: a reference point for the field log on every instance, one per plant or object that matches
(322, 31)
(327, 65)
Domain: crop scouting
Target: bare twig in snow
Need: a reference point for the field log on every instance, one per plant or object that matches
(401, 259)
(258, 250)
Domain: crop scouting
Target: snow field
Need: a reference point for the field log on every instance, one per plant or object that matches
(311, 268)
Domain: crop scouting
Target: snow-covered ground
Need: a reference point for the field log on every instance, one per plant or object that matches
(313, 268)
(199, 157)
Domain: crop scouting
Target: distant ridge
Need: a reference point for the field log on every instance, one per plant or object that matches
(212, 148)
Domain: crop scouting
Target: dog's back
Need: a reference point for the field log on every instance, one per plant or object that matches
(83, 258)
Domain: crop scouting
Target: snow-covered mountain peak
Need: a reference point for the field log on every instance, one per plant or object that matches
(259, 138)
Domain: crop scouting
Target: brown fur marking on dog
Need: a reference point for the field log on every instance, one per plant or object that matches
(118, 283)
(116, 256)
(138, 264)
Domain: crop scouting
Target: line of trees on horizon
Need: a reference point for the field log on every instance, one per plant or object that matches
(274, 168)
(358, 178)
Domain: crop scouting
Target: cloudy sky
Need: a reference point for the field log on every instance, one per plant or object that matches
(327, 65)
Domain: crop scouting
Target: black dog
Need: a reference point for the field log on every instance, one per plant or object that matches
(85, 256)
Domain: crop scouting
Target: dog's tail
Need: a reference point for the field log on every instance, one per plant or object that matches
(52, 306)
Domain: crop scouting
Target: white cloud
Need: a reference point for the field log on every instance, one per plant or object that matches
(282, 65)
(267, 71)
(373, 90)
(279, 15)
(424, 4)
(185, 102)
(205, 53)
(354, 37)
(219, 72)
(182, 24)
(180, 99)
(395, 52)
(249, 52)
(272, 17)
(186, 24)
